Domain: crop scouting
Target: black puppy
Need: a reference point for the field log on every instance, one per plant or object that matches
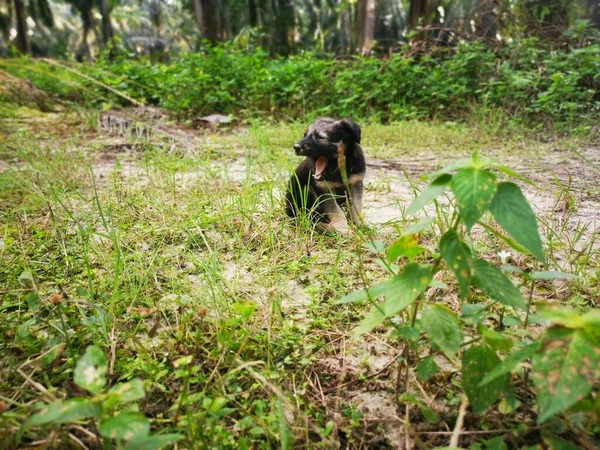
(319, 187)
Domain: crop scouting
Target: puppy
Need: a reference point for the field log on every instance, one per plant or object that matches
(330, 176)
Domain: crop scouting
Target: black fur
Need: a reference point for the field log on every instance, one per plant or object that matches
(322, 197)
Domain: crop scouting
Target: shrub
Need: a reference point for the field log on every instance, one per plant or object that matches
(521, 78)
(563, 361)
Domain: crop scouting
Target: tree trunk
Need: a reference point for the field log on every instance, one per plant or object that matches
(93, 25)
(224, 30)
(346, 31)
(593, 12)
(366, 25)
(252, 13)
(199, 15)
(206, 19)
(83, 52)
(488, 26)
(420, 10)
(107, 30)
(22, 38)
(156, 16)
(284, 23)
(548, 19)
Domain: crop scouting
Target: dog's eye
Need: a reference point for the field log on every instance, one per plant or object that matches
(321, 136)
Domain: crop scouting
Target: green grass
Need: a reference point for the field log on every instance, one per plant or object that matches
(165, 256)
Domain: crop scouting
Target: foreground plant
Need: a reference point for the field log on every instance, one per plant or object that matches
(563, 360)
(113, 411)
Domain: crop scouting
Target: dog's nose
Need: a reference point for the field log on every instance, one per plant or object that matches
(297, 148)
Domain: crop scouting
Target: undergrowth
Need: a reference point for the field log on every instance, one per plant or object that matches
(522, 81)
(152, 296)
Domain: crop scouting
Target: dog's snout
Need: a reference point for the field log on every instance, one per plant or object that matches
(297, 148)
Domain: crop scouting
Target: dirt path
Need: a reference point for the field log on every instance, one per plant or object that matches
(565, 190)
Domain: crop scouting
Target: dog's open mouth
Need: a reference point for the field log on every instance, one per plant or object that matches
(320, 165)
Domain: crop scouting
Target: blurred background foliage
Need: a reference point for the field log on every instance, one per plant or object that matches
(162, 28)
(382, 59)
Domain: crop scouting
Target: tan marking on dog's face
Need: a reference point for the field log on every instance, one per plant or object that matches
(326, 186)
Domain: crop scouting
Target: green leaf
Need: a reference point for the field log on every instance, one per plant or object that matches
(511, 321)
(404, 288)
(51, 354)
(285, 435)
(410, 333)
(375, 246)
(26, 280)
(509, 268)
(511, 210)
(426, 369)
(454, 165)
(153, 442)
(428, 413)
(90, 371)
(442, 328)
(496, 443)
(420, 225)
(363, 295)
(33, 301)
(472, 314)
(67, 411)
(511, 361)
(217, 405)
(407, 246)
(590, 321)
(434, 190)
(473, 190)
(495, 284)
(184, 361)
(508, 407)
(477, 362)
(400, 291)
(497, 341)
(458, 256)
(244, 309)
(130, 391)
(561, 315)
(374, 318)
(564, 371)
(504, 238)
(554, 443)
(438, 284)
(552, 275)
(126, 426)
(504, 169)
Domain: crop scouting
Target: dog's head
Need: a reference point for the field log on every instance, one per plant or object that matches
(322, 138)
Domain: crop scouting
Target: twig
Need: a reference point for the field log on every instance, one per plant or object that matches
(529, 304)
(85, 431)
(462, 410)
(113, 345)
(441, 433)
(78, 441)
(36, 385)
(99, 83)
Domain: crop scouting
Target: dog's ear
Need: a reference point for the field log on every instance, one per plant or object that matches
(351, 128)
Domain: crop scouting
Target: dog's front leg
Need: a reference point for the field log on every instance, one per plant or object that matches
(355, 202)
(335, 217)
